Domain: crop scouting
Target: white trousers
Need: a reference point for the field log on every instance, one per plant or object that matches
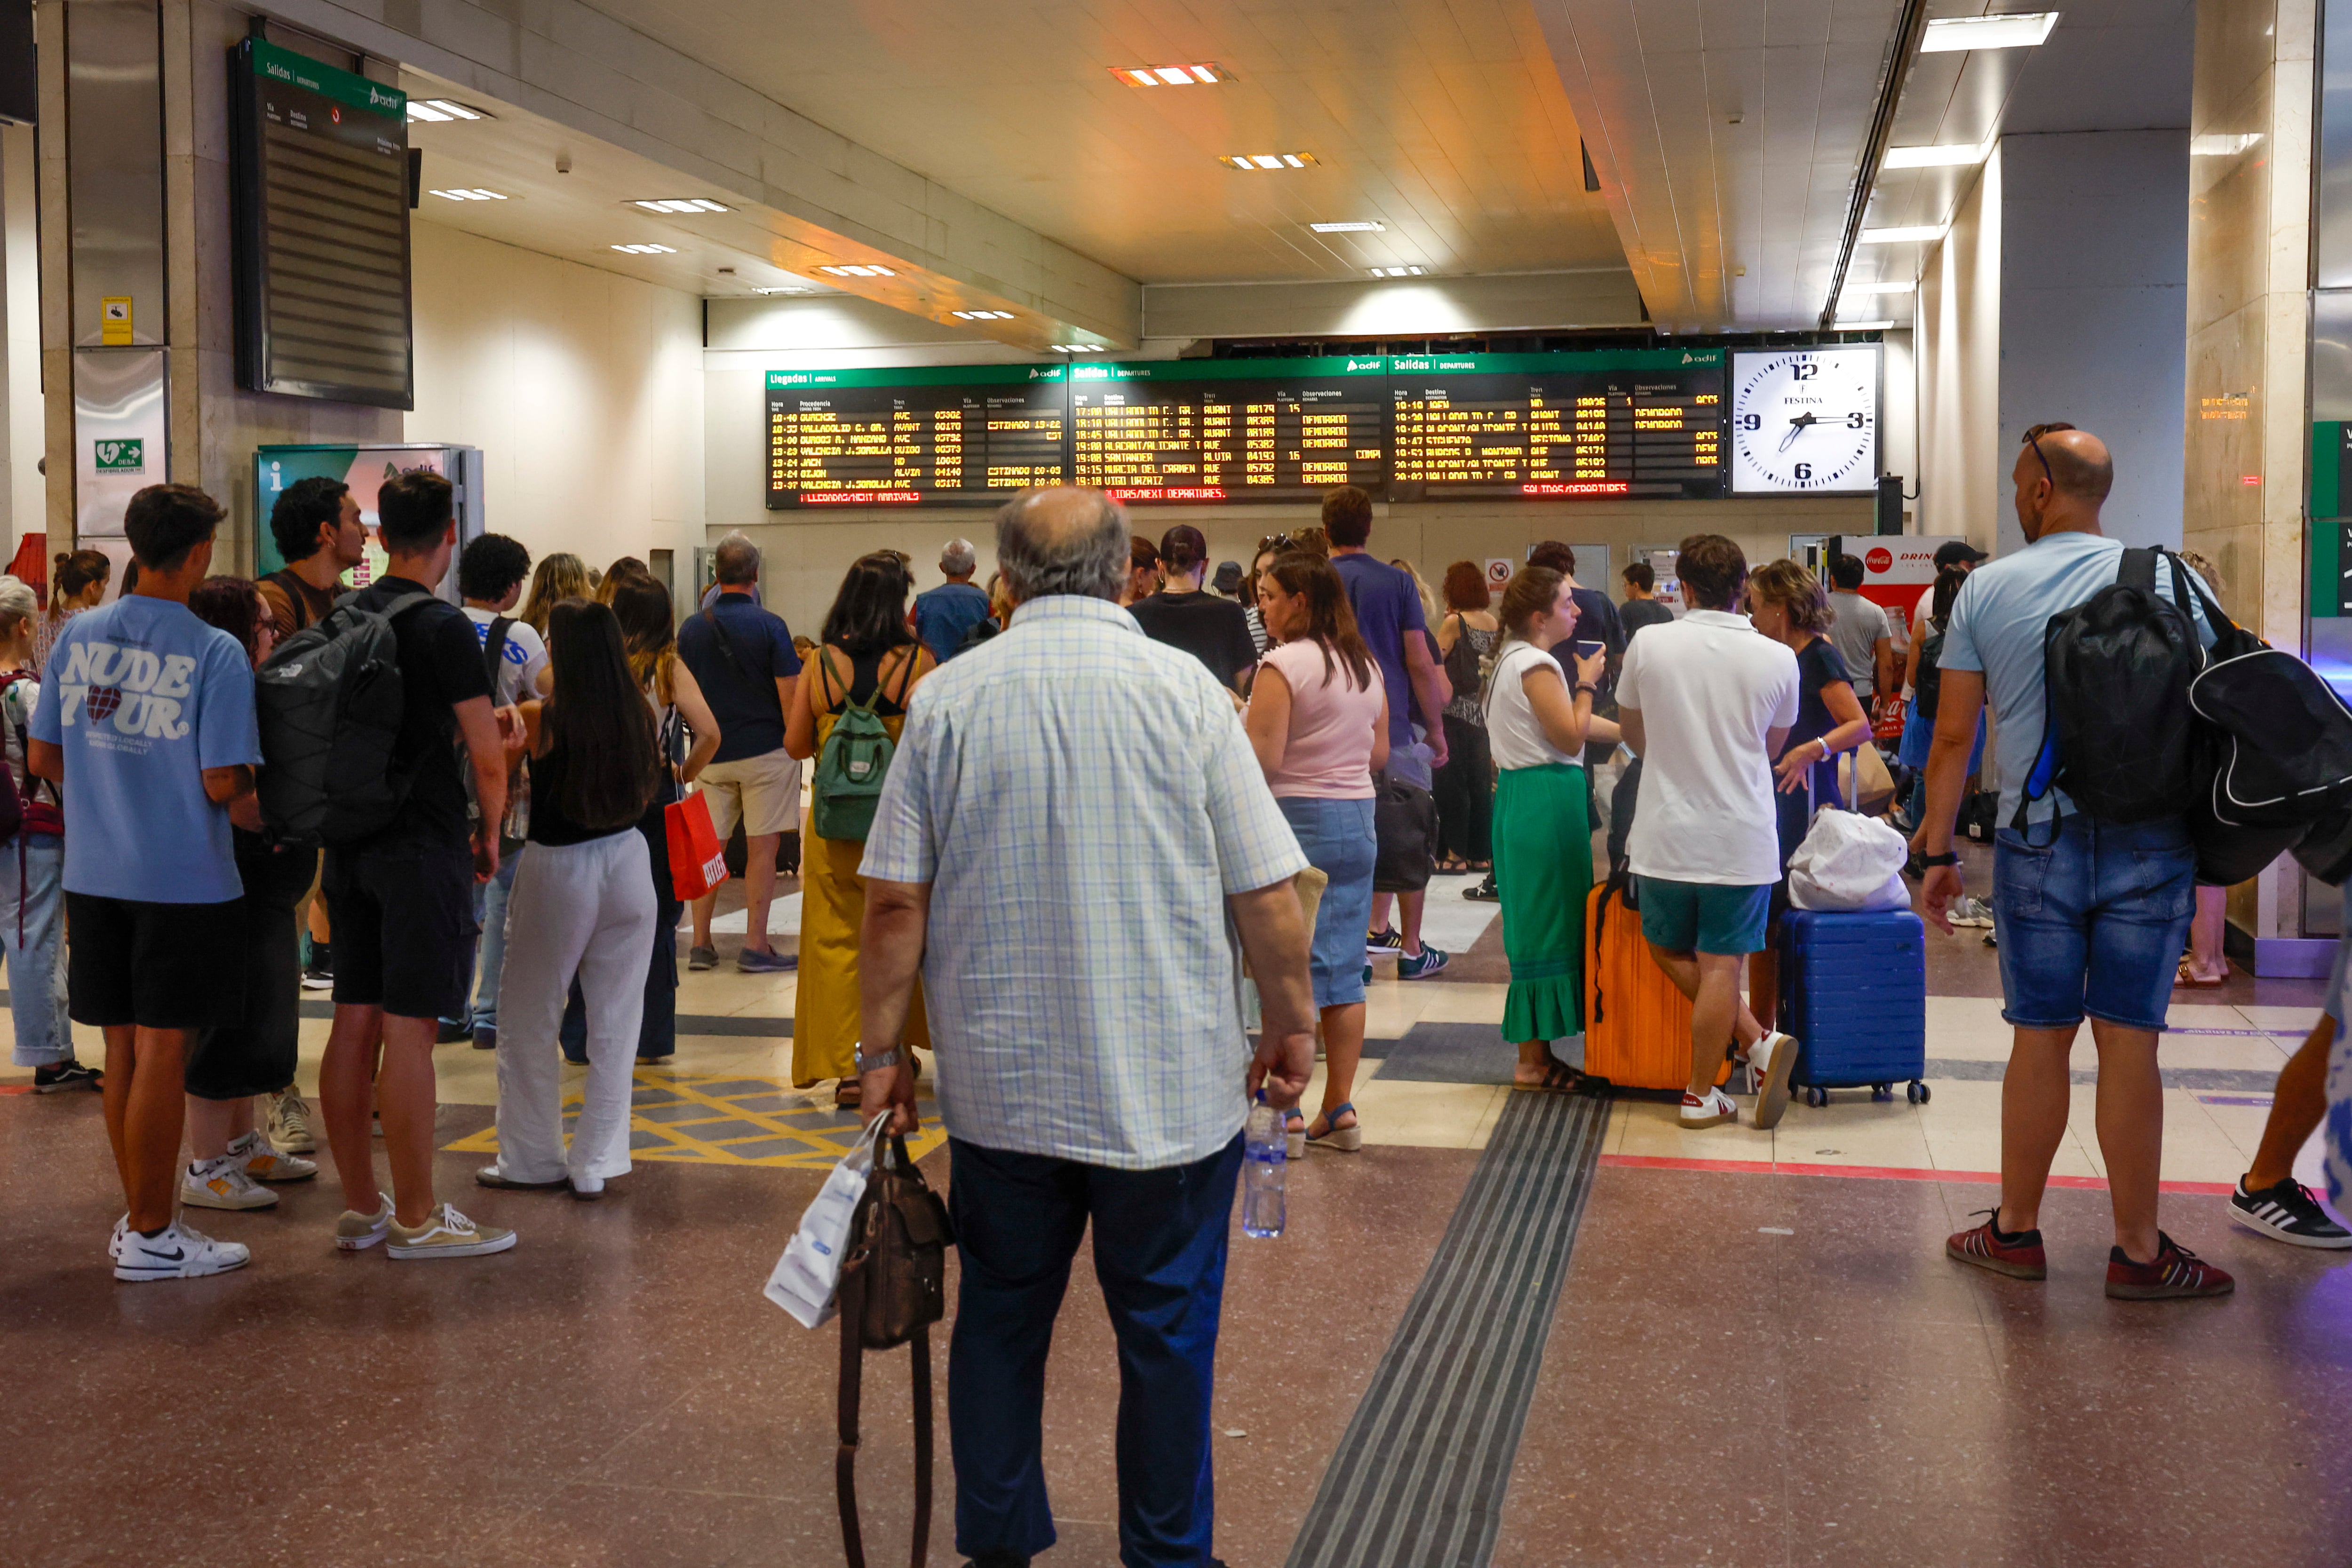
(586, 909)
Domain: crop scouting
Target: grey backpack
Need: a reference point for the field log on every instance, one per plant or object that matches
(330, 701)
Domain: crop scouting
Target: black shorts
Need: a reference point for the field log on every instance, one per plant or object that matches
(258, 1056)
(405, 929)
(159, 966)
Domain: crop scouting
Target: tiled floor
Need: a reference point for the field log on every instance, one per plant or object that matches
(1753, 1359)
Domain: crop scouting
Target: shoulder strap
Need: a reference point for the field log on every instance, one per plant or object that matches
(850, 1397)
(494, 649)
(404, 604)
(285, 579)
(905, 675)
(725, 644)
(2139, 569)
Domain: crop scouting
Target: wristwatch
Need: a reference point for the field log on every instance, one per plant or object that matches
(1949, 857)
(881, 1061)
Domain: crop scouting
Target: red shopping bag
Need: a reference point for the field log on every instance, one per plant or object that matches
(697, 863)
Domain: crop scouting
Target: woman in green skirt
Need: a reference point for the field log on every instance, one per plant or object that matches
(1537, 722)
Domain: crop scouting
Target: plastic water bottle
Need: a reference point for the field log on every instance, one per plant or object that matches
(1265, 1148)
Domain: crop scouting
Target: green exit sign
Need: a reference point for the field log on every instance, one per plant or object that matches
(129, 456)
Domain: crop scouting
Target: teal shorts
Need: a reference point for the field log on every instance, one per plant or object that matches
(1702, 916)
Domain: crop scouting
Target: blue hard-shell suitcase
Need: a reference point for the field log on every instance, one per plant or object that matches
(1853, 990)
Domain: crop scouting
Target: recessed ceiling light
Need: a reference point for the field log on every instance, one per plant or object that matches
(1256, 161)
(2018, 31)
(647, 249)
(981, 315)
(1350, 228)
(1170, 76)
(681, 204)
(1889, 287)
(1916, 233)
(477, 193)
(1958, 156)
(1398, 271)
(849, 271)
(434, 110)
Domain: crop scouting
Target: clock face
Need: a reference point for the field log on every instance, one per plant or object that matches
(1804, 419)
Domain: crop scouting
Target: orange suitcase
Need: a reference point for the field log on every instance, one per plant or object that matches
(1636, 1024)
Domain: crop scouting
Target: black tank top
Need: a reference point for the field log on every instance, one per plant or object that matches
(548, 825)
(864, 676)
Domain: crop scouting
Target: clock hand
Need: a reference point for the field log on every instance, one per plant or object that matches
(1796, 428)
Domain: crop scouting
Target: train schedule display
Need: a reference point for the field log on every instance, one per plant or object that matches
(1230, 430)
(934, 435)
(1645, 423)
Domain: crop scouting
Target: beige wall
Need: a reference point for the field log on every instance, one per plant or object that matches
(1957, 365)
(582, 388)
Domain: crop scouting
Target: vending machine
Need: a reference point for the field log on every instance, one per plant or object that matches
(1897, 569)
(365, 468)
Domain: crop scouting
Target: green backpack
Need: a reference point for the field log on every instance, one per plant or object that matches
(850, 768)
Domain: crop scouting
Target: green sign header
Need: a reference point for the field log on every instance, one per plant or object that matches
(275, 64)
(915, 376)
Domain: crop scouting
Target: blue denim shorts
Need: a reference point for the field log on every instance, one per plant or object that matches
(2092, 921)
(1336, 837)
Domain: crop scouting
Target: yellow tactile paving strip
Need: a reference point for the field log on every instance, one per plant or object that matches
(728, 1120)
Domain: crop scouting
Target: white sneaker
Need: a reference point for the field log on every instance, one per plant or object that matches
(222, 1183)
(288, 1123)
(114, 1240)
(264, 1163)
(356, 1232)
(179, 1253)
(1773, 1060)
(1971, 911)
(1709, 1110)
(447, 1233)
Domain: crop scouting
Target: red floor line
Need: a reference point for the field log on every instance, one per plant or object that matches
(1883, 1173)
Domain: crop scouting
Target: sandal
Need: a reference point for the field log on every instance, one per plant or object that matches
(1294, 1126)
(1347, 1140)
(2186, 977)
(849, 1094)
(1559, 1078)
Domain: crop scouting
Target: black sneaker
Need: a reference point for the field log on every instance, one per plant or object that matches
(1485, 892)
(453, 1030)
(1379, 942)
(321, 974)
(67, 1074)
(2289, 1213)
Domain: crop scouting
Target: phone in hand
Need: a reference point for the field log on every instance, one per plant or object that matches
(1586, 648)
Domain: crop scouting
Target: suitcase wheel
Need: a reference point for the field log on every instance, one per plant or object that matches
(1917, 1092)
(1882, 1092)
(1817, 1096)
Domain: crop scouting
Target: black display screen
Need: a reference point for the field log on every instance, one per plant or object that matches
(1230, 430)
(906, 438)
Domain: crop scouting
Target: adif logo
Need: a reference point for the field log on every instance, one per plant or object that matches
(1363, 364)
(137, 691)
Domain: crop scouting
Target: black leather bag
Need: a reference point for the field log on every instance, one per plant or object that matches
(893, 1289)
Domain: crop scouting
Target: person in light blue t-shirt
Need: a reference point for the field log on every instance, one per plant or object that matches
(145, 721)
(2091, 916)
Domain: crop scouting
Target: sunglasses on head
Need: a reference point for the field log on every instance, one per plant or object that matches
(1273, 541)
(2034, 438)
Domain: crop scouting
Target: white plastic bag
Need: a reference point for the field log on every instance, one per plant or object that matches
(805, 1278)
(1849, 861)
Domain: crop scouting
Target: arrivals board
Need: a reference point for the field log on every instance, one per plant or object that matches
(904, 437)
(1645, 423)
(1230, 430)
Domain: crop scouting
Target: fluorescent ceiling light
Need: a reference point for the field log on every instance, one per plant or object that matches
(1842, 325)
(478, 194)
(851, 270)
(1397, 271)
(780, 291)
(1256, 161)
(1077, 348)
(681, 204)
(2019, 30)
(647, 249)
(1914, 234)
(2223, 146)
(434, 110)
(981, 315)
(1348, 229)
(1170, 76)
(1961, 157)
(1889, 287)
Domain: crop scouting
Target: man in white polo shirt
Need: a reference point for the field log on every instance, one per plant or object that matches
(1706, 702)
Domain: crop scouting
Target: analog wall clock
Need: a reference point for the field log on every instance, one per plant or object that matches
(1804, 420)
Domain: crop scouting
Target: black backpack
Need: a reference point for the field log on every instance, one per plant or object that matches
(330, 701)
(1928, 684)
(2116, 669)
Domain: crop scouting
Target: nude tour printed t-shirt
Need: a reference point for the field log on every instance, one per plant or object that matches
(142, 698)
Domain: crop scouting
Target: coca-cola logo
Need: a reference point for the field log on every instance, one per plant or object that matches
(1880, 558)
(102, 702)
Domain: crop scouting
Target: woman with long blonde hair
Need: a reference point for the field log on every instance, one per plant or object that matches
(559, 576)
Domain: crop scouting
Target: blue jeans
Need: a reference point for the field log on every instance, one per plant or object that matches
(32, 921)
(2092, 921)
(1338, 839)
(490, 915)
(1160, 1255)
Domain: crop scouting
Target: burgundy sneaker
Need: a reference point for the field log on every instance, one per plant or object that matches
(2177, 1273)
(2019, 1256)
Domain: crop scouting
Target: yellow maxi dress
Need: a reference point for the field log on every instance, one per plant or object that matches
(825, 1010)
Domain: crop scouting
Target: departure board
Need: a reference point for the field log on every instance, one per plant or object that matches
(319, 191)
(1641, 422)
(903, 437)
(1230, 430)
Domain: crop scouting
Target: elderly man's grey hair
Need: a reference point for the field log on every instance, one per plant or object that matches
(1062, 540)
(737, 564)
(959, 558)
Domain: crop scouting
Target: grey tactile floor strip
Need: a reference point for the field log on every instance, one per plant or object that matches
(1419, 1476)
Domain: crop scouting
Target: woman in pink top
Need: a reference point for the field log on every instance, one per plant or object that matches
(1319, 719)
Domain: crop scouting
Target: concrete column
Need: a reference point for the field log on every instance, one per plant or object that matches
(2249, 273)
